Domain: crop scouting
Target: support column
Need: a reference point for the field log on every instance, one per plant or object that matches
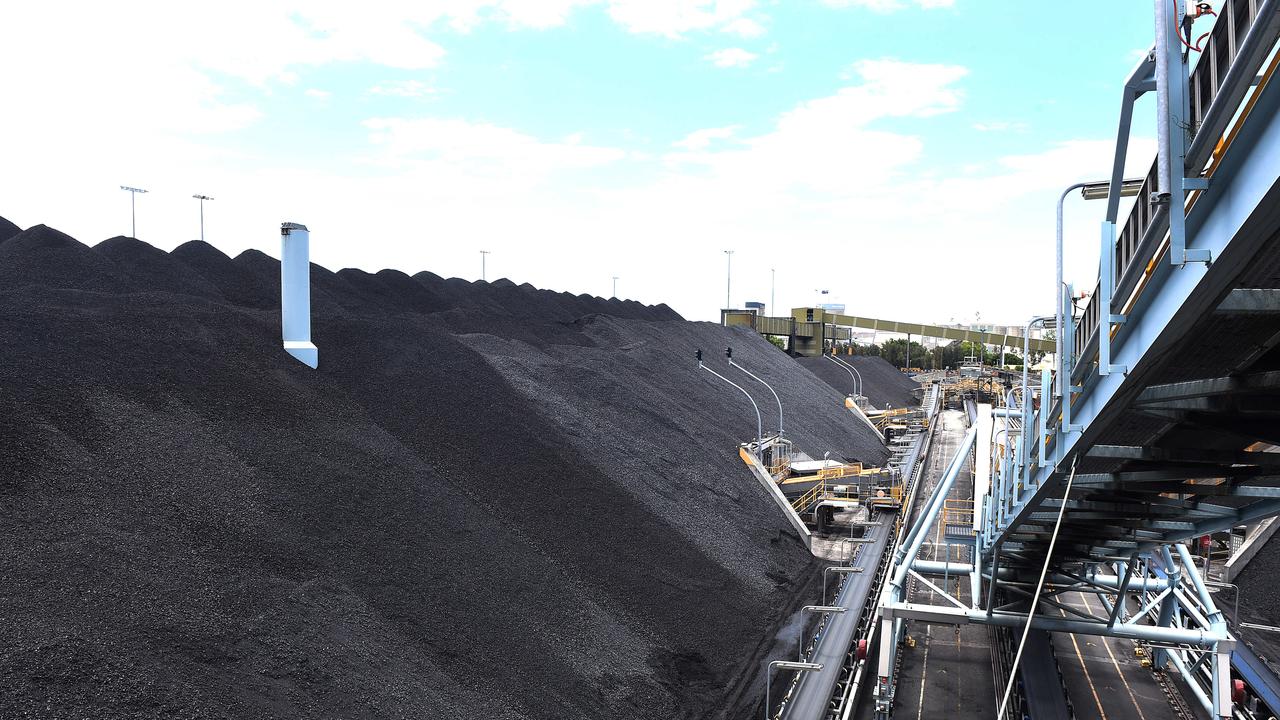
(295, 293)
(884, 679)
(1167, 606)
(1222, 685)
(1045, 402)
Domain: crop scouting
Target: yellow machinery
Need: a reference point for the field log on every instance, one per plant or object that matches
(882, 495)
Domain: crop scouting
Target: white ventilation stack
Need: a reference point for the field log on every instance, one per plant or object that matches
(295, 293)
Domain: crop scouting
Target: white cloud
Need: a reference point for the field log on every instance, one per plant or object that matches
(402, 88)
(744, 27)
(889, 5)
(731, 57)
(480, 147)
(702, 139)
(317, 93)
(834, 178)
(676, 17)
(827, 147)
(1001, 126)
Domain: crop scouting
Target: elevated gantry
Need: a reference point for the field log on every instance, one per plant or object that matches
(1152, 430)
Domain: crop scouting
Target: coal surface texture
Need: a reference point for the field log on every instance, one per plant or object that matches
(883, 384)
(489, 500)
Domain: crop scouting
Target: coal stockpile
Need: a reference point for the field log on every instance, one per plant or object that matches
(1257, 582)
(489, 501)
(883, 384)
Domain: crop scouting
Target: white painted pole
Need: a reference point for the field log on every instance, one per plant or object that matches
(295, 293)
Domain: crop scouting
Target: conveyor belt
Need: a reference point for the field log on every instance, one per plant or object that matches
(1261, 681)
(811, 698)
(811, 695)
(1041, 682)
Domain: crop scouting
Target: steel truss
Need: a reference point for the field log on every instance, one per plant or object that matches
(1156, 598)
(1165, 451)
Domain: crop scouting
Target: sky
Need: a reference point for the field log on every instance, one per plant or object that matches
(903, 155)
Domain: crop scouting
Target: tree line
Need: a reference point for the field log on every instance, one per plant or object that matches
(952, 355)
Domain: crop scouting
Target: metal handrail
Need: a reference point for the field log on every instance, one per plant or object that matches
(1138, 243)
(803, 502)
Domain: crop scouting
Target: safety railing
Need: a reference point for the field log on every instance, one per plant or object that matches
(781, 470)
(809, 499)
(840, 471)
(957, 514)
(1219, 52)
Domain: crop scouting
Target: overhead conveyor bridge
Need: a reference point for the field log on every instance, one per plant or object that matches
(810, 329)
(1150, 431)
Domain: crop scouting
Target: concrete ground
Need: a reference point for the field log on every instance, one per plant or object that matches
(1104, 678)
(948, 673)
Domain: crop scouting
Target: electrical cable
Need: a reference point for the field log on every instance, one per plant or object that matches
(1202, 9)
(1026, 630)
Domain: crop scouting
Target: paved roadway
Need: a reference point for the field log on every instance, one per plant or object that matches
(1104, 679)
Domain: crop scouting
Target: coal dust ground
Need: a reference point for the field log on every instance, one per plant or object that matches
(488, 501)
(882, 383)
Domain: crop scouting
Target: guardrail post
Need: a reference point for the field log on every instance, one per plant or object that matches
(1044, 415)
(1068, 362)
(1106, 286)
(1173, 114)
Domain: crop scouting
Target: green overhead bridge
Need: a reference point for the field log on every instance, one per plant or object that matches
(809, 330)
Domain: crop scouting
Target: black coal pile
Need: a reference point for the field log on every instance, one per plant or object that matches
(1257, 602)
(489, 501)
(883, 384)
(1257, 582)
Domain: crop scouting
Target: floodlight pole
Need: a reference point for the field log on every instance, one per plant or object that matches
(773, 288)
(857, 385)
(483, 270)
(759, 421)
(1090, 190)
(201, 198)
(728, 279)
(133, 210)
(729, 354)
(615, 286)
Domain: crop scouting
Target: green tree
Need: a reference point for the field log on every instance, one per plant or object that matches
(895, 351)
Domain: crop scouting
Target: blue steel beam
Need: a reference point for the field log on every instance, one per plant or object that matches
(1231, 220)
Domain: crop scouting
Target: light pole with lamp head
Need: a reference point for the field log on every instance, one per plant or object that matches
(201, 198)
(133, 211)
(728, 352)
(1092, 190)
(784, 665)
(857, 386)
(728, 279)
(759, 422)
